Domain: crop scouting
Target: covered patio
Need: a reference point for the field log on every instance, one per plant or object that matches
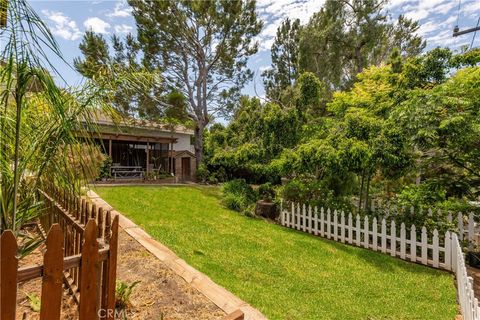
(138, 156)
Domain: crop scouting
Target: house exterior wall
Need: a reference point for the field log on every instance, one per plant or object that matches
(183, 142)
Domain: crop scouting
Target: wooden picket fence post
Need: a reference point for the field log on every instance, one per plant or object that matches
(8, 275)
(81, 252)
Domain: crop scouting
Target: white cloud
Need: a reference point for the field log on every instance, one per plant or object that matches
(96, 25)
(273, 12)
(63, 26)
(122, 28)
(121, 10)
(264, 68)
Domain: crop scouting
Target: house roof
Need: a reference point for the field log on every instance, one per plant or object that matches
(177, 154)
(117, 121)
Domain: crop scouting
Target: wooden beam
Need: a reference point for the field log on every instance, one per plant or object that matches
(459, 33)
(126, 137)
(148, 156)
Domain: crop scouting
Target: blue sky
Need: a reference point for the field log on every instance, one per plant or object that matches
(68, 21)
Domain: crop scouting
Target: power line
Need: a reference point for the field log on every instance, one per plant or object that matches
(456, 29)
(475, 33)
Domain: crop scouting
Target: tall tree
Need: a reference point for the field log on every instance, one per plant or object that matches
(203, 47)
(347, 36)
(284, 52)
(134, 88)
(94, 47)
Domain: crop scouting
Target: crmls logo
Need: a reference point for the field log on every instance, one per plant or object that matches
(116, 314)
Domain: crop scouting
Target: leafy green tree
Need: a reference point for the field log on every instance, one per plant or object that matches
(347, 36)
(202, 48)
(134, 89)
(257, 134)
(284, 52)
(443, 123)
(40, 123)
(97, 56)
(311, 96)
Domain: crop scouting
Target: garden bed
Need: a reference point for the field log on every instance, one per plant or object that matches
(161, 294)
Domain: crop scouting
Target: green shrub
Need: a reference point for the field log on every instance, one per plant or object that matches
(315, 193)
(266, 191)
(238, 195)
(249, 210)
(105, 168)
(234, 202)
(202, 173)
(241, 188)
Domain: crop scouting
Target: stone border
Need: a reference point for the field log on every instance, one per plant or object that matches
(220, 296)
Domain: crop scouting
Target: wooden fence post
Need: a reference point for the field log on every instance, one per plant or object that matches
(112, 269)
(51, 298)
(89, 274)
(393, 239)
(435, 253)
(424, 246)
(448, 251)
(8, 275)
(402, 241)
(413, 243)
(384, 236)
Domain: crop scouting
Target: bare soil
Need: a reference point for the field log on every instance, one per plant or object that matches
(160, 295)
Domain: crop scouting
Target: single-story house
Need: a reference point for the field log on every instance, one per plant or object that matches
(143, 148)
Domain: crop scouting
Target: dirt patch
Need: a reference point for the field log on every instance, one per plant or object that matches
(161, 294)
(28, 294)
(475, 274)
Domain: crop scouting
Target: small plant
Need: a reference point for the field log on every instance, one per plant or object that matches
(123, 291)
(105, 168)
(34, 301)
(238, 195)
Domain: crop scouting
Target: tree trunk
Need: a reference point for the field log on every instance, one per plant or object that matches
(359, 58)
(361, 193)
(367, 191)
(199, 143)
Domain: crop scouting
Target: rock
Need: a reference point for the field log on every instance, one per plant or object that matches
(266, 209)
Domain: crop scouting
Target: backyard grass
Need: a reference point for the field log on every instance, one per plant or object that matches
(284, 273)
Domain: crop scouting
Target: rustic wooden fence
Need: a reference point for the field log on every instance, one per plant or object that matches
(72, 213)
(442, 251)
(81, 252)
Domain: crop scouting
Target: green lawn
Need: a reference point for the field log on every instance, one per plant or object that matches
(284, 273)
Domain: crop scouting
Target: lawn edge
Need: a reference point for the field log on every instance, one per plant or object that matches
(220, 296)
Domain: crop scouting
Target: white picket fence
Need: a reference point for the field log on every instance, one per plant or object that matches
(466, 296)
(465, 223)
(438, 251)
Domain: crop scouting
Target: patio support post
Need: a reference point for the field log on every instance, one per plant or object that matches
(148, 155)
(171, 158)
(110, 148)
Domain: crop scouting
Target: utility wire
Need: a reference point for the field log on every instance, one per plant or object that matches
(458, 11)
(474, 34)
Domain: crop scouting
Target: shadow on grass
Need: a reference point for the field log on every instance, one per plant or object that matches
(381, 261)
